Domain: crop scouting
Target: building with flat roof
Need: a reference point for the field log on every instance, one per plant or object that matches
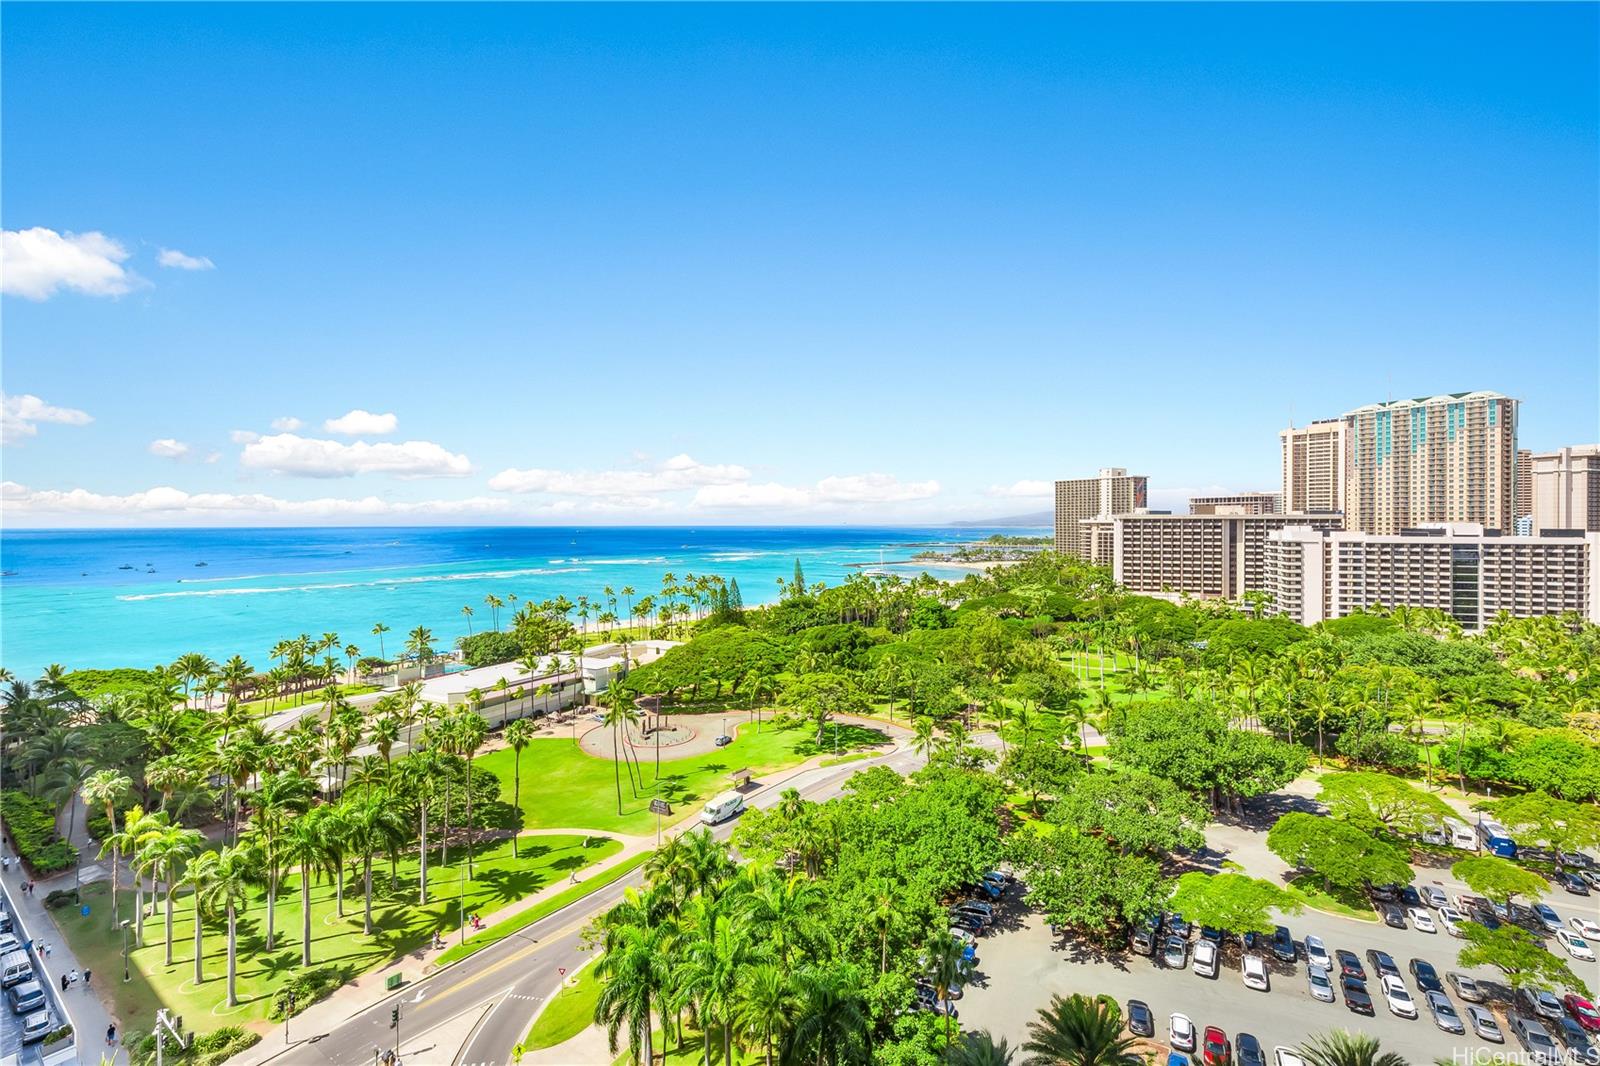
(1523, 490)
(1433, 459)
(1113, 491)
(1313, 467)
(1462, 569)
(1566, 489)
(1206, 556)
(1238, 503)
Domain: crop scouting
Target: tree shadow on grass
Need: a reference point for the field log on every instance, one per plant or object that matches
(846, 736)
(507, 885)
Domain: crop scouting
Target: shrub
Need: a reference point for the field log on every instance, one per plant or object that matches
(32, 825)
(220, 1046)
(58, 1035)
(62, 897)
(305, 988)
(489, 649)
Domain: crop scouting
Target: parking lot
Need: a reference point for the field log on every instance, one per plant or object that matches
(12, 1049)
(1021, 964)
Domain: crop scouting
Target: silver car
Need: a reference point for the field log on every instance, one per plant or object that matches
(1484, 1025)
(1318, 983)
(1444, 1015)
(1175, 953)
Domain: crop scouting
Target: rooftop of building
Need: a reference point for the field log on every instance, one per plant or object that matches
(1423, 401)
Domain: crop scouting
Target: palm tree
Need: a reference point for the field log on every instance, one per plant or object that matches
(634, 975)
(378, 630)
(469, 732)
(419, 773)
(280, 798)
(170, 849)
(1344, 1048)
(63, 784)
(619, 712)
(1078, 1031)
(834, 1018)
(947, 968)
(304, 846)
(466, 612)
(766, 1005)
(128, 841)
(519, 735)
(978, 1048)
(375, 823)
(198, 877)
(107, 787)
(228, 888)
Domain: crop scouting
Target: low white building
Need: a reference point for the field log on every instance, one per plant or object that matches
(568, 677)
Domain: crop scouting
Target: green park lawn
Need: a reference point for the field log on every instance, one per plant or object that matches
(564, 788)
(569, 1012)
(399, 926)
(1307, 890)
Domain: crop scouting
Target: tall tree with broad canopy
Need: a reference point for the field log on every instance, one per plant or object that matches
(1081, 882)
(1135, 812)
(1341, 854)
(1382, 803)
(1517, 954)
(1545, 819)
(1499, 880)
(1232, 902)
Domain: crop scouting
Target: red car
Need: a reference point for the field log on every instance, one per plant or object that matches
(1588, 1017)
(1215, 1049)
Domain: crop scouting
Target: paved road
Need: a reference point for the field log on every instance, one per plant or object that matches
(515, 975)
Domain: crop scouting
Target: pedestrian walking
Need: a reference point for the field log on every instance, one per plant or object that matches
(111, 1034)
(86, 980)
(74, 979)
(64, 982)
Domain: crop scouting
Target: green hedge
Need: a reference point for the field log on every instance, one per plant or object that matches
(32, 826)
(213, 1049)
(306, 987)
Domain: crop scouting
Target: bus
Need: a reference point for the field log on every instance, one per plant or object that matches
(1496, 839)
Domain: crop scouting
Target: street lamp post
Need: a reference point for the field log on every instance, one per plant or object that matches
(287, 1014)
(126, 977)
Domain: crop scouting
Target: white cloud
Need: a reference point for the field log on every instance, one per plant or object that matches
(171, 257)
(679, 472)
(214, 457)
(852, 490)
(244, 436)
(286, 424)
(1025, 489)
(20, 416)
(167, 448)
(359, 423)
(36, 262)
(285, 453)
(167, 502)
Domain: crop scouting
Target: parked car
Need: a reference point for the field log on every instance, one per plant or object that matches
(1580, 1049)
(1574, 858)
(1540, 1004)
(1573, 883)
(1398, 999)
(1382, 963)
(1535, 1040)
(1426, 977)
(1449, 919)
(1484, 917)
(1444, 1014)
(1349, 964)
(1409, 897)
(1178, 1058)
(1385, 893)
(1586, 1013)
(1215, 1049)
(1484, 1026)
(1585, 927)
(1177, 925)
(969, 943)
(1356, 996)
(26, 997)
(36, 1026)
(1547, 917)
(1466, 902)
(1466, 987)
(1317, 953)
(1175, 953)
(1283, 1056)
(1205, 959)
(999, 879)
(1393, 916)
(1421, 920)
(1249, 1051)
(1180, 1032)
(984, 889)
(1213, 935)
(1592, 875)
(1318, 984)
(1576, 946)
(1433, 896)
(1141, 1022)
(1143, 939)
(1254, 969)
(1283, 948)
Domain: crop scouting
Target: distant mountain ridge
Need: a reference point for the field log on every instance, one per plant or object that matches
(1037, 518)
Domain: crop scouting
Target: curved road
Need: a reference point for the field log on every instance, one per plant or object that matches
(511, 978)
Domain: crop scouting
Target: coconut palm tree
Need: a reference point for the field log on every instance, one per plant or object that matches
(304, 845)
(1344, 1048)
(619, 712)
(469, 731)
(519, 735)
(1078, 1031)
(170, 848)
(418, 773)
(277, 803)
(834, 1019)
(228, 887)
(766, 1005)
(198, 876)
(127, 841)
(375, 824)
(634, 974)
(947, 969)
(378, 630)
(105, 788)
(63, 784)
(978, 1048)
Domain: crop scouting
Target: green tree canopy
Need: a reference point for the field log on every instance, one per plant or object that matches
(1134, 811)
(1381, 802)
(1548, 820)
(1517, 954)
(1232, 902)
(1081, 882)
(1500, 880)
(1339, 852)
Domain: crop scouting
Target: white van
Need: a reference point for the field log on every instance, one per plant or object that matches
(1454, 833)
(722, 808)
(15, 968)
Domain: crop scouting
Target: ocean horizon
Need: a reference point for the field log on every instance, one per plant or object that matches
(102, 598)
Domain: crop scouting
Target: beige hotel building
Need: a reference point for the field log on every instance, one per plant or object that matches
(1113, 491)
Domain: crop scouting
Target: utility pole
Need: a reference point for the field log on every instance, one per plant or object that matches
(166, 1023)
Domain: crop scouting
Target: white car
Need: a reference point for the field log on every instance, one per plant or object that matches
(1576, 946)
(1585, 927)
(1205, 959)
(1451, 920)
(1433, 896)
(1317, 953)
(1283, 1056)
(1318, 984)
(1255, 972)
(1180, 1032)
(1399, 1000)
(1421, 920)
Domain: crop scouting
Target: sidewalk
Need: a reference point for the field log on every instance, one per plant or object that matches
(86, 1011)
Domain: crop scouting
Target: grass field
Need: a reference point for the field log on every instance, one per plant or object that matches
(569, 1012)
(399, 926)
(563, 788)
(1306, 889)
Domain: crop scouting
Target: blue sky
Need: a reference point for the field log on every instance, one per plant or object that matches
(782, 263)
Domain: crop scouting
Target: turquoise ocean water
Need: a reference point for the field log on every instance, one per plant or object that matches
(105, 598)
